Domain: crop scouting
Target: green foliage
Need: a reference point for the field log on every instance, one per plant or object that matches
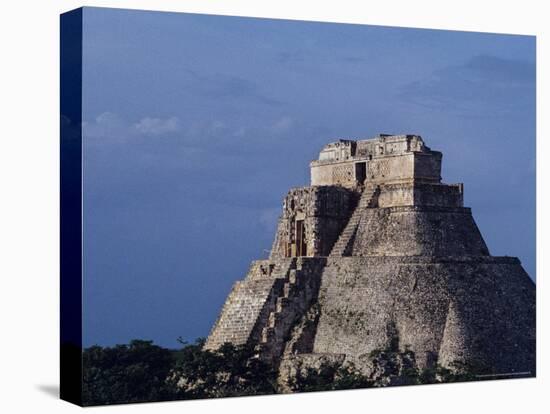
(127, 373)
(142, 371)
(329, 377)
(388, 367)
(393, 367)
(227, 372)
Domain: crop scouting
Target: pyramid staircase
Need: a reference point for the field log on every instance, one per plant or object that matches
(246, 303)
(293, 301)
(345, 241)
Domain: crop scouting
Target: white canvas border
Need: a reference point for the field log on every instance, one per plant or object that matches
(30, 206)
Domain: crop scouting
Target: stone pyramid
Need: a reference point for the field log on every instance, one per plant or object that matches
(378, 251)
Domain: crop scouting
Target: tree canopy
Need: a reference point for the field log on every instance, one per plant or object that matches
(142, 371)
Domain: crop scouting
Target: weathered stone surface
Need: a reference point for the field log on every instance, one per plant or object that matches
(263, 308)
(322, 211)
(379, 252)
(444, 309)
(386, 159)
(416, 194)
(418, 231)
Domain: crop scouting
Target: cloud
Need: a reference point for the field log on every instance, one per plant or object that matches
(184, 146)
(105, 125)
(282, 125)
(157, 126)
(235, 138)
(483, 85)
(112, 126)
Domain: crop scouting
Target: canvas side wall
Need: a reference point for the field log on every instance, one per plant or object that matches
(71, 207)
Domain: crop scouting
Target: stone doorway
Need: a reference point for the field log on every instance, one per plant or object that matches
(301, 247)
(361, 172)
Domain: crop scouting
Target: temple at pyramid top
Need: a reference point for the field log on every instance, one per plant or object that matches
(387, 159)
(379, 196)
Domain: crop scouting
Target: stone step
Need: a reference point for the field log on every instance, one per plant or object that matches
(350, 229)
(274, 318)
(276, 323)
(292, 274)
(288, 289)
(343, 243)
(281, 303)
(290, 294)
(345, 237)
(268, 333)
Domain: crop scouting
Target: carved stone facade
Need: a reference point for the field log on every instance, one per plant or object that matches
(312, 219)
(378, 251)
(387, 159)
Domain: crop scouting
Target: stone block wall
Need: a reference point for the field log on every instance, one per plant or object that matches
(391, 168)
(336, 173)
(451, 309)
(439, 195)
(388, 159)
(418, 231)
(416, 194)
(386, 144)
(392, 195)
(338, 151)
(427, 166)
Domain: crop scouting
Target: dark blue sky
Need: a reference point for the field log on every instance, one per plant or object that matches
(196, 126)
